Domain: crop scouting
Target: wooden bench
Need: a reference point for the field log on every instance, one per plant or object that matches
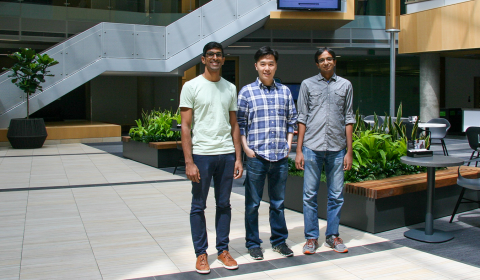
(157, 145)
(380, 205)
(408, 183)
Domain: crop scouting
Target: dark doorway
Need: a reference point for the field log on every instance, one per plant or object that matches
(71, 106)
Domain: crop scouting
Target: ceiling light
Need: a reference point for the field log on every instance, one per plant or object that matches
(9, 40)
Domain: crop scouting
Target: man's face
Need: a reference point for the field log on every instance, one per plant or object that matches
(213, 59)
(326, 64)
(266, 67)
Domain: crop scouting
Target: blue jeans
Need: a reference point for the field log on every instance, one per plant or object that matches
(221, 168)
(314, 161)
(277, 172)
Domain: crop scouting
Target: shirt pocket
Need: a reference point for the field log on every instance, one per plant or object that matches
(340, 98)
(315, 99)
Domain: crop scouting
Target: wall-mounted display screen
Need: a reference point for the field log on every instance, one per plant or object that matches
(331, 5)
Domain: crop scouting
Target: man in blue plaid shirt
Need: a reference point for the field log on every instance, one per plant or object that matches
(266, 116)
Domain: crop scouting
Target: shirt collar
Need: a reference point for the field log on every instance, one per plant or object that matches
(333, 78)
(262, 86)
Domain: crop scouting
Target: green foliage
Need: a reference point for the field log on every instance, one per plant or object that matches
(292, 170)
(377, 150)
(155, 126)
(30, 70)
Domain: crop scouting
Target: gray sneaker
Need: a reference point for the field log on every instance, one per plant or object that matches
(310, 246)
(336, 243)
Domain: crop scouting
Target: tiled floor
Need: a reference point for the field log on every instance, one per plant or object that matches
(71, 211)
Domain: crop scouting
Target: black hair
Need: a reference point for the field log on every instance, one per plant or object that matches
(265, 50)
(212, 45)
(322, 50)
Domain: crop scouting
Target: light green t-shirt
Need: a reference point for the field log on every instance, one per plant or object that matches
(211, 103)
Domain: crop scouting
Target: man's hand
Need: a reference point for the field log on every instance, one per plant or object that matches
(238, 171)
(299, 161)
(192, 172)
(249, 152)
(347, 161)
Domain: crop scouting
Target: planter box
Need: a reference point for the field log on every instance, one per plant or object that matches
(27, 133)
(156, 154)
(380, 214)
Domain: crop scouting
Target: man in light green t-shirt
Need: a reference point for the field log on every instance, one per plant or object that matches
(212, 149)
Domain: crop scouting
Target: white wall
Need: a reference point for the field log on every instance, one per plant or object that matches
(459, 82)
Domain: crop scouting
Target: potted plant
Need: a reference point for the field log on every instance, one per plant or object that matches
(152, 141)
(28, 74)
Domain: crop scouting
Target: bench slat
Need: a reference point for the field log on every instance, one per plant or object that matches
(403, 184)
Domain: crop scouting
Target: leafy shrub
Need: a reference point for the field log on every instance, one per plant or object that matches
(155, 126)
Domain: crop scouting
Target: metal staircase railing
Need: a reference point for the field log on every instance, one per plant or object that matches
(133, 48)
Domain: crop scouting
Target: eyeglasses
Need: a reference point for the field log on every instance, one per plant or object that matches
(212, 54)
(322, 60)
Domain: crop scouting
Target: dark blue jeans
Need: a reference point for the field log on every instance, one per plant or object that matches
(221, 168)
(277, 172)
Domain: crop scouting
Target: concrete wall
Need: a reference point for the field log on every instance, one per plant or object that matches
(459, 81)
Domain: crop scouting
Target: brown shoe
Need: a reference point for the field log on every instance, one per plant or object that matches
(227, 260)
(202, 266)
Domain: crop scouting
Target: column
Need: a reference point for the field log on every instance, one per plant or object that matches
(429, 86)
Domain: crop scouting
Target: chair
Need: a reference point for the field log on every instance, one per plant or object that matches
(409, 129)
(472, 184)
(372, 118)
(181, 158)
(473, 136)
(439, 132)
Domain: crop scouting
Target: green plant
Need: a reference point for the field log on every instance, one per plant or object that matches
(30, 71)
(154, 126)
(377, 150)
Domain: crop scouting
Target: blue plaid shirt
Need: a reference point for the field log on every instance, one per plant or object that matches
(265, 117)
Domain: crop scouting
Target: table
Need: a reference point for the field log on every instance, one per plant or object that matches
(428, 234)
(428, 125)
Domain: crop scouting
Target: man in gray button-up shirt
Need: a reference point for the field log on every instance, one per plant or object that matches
(325, 126)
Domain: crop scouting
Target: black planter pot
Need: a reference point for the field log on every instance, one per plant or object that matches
(27, 133)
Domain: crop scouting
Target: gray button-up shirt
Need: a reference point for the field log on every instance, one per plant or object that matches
(325, 108)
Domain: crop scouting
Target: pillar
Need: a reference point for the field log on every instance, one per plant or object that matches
(429, 86)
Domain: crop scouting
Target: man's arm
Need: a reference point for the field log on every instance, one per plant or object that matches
(238, 171)
(348, 159)
(299, 160)
(349, 120)
(249, 152)
(191, 169)
(302, 120)
(289, 141)
(242, 115)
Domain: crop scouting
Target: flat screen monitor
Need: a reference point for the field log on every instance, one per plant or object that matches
(313, 5)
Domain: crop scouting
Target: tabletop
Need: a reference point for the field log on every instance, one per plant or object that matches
(431, 125)
(433, 161)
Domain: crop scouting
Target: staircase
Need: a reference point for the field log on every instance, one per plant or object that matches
(136, 50)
